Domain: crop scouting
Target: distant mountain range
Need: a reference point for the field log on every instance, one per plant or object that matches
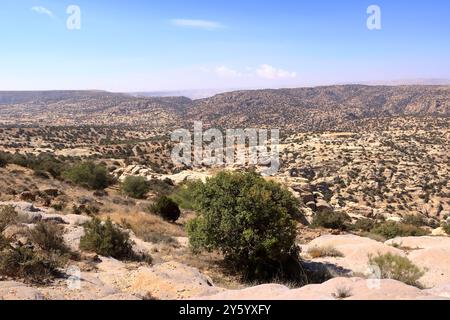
(192, 94)
(319, 108)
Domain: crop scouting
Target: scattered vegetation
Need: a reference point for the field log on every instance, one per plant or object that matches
(251, 221)
(391, 230)
(397, 268)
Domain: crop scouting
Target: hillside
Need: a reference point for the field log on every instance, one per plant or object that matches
(305, 109)
(321, 108)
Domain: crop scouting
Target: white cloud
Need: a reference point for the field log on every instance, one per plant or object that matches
(268, 72)
(198, 24)
(42, 10)
(265, 72)
(225, 72)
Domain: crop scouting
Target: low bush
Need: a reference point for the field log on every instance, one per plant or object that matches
(391, 230)
(8, 216)
(3, 160)
(332, 220)
(24, 263)
(342, 293)
(415, 220)
(106, 239)
(49, 237)
(89, 175)
(166, 208)
(397, 268)
(322, 252)
(135, 187)
(364, 225)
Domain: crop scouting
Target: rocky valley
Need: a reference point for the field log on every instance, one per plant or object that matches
(367, 169)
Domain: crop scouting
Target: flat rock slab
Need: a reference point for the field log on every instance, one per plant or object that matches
(431, 254)
(356, 251)
(355, 289)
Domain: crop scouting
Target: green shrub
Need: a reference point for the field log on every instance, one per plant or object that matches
(184, 195)
(8, 216)
(166, 208)
(135, 187)
(251, 221)
(107, 240)
(415, 220)
(364, 225)
(49, 237)
(446, 227)
(397, 268)
(24, 263)
(3, 160)
(89, 175)
(391, 230)
(332, 220)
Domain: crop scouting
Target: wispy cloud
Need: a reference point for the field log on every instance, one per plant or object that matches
(264, 71)
(268, 72)
(226, 72)
(42, 10)
(197, 24)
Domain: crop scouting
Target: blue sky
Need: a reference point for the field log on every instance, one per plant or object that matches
(180, 44)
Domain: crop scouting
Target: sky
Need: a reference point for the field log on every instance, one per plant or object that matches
(162, 45)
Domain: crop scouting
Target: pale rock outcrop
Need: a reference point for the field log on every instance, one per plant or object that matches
(431, 254)
(354, 288)
(171, 280)
(11, 290)
(356, 251)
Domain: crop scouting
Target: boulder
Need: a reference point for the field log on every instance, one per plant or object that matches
(323, 206)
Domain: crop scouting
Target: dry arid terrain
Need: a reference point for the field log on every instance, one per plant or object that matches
(369, 167)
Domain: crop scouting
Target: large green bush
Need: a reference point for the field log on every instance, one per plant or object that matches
(166, 208)
(107, 240)
(89, 175)
(135, 186)
(397, 268)
(251, 221)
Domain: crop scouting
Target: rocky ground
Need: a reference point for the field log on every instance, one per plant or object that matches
(107, 278)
